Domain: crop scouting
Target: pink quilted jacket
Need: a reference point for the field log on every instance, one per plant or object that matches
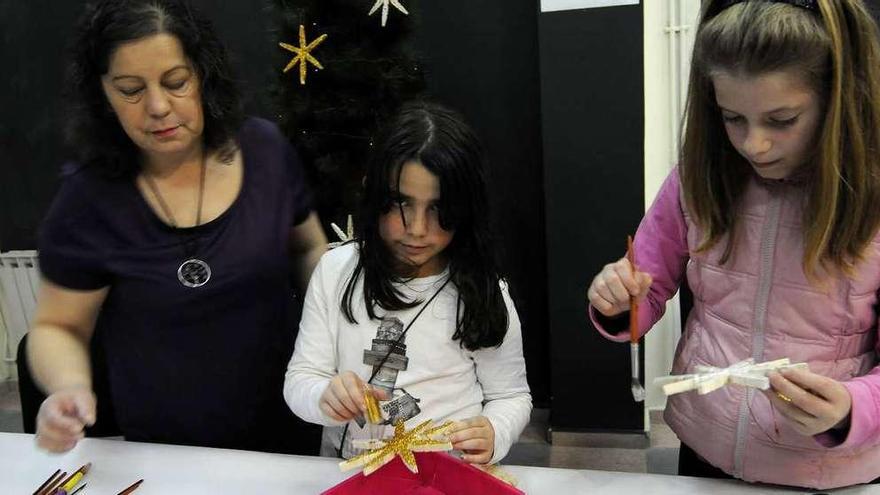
(760, 305)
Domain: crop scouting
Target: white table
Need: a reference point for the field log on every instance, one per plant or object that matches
(172, 470)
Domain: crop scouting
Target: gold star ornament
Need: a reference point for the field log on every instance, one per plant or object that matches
(423, 438)
(303, 53)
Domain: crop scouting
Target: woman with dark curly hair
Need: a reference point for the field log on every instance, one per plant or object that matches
(171, 243)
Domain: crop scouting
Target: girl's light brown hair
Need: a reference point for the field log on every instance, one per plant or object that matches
(836, 50)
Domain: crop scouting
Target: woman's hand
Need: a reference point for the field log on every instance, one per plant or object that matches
(63, 417)
(812, 403)
(611, 289)
(475, 437)
(343, 400)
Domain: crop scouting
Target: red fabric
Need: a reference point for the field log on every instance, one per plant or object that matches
(439, 474)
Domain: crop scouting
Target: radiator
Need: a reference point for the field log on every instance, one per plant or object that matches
(19, 280)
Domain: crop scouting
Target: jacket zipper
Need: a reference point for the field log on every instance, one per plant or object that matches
(765, 279)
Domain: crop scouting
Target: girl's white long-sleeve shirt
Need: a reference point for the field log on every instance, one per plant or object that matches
(450, 382)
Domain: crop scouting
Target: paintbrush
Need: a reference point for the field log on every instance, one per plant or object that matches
(638, 390)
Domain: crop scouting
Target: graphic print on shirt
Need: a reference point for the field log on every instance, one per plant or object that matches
(389, 338)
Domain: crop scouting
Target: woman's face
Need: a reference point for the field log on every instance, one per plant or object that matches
(156, 95)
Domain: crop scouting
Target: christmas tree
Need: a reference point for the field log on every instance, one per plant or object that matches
(332, 114)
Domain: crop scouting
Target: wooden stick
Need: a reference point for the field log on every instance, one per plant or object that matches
(53, 485)
(131, 488)
(45, 483)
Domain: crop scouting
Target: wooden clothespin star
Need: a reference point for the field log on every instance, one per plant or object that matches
(343, 236)
(709, 378)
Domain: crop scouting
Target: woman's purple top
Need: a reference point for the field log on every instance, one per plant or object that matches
(197, 366)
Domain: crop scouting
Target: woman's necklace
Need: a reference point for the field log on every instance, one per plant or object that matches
(193, 272)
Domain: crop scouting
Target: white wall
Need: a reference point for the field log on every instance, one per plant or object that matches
(6, 369)
(668, 38)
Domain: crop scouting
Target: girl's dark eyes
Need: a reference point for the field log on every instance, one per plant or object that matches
(732, 119)
(405, 202)
(176, 85)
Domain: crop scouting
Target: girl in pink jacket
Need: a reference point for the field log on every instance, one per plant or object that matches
(772, 217)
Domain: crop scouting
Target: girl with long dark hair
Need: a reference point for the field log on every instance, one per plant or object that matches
(415, 306)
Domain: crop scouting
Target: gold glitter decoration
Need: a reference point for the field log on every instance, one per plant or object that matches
(303, 53)
(374, 416)
(422, 438)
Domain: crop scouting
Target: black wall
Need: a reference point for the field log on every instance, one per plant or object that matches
(34, 34)
(593, 112)
(481, 58)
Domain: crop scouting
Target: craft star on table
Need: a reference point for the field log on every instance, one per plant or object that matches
(303, 53)
(385, 4)
(709, 378)
(422, 438)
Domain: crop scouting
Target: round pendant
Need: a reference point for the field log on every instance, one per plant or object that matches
(194, 273)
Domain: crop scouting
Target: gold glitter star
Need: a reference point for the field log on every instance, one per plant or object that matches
(422, 438)
(303, 53)
(385, 7)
